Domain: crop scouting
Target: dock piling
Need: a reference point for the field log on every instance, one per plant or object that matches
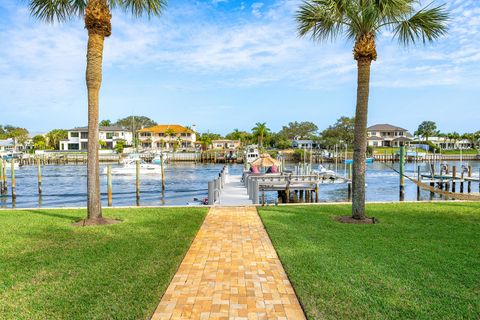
(13, 184)
(109, 185)
(2, 191)
(137, 182)
(39, 175)
(402, 171)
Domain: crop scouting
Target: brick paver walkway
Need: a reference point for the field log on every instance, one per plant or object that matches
(231, 271)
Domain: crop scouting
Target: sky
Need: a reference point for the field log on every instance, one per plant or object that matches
(226, 64)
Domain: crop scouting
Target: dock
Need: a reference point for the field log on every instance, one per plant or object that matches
(234, 192)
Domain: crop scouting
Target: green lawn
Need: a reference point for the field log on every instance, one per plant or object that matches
(422, 261)
(51, 270)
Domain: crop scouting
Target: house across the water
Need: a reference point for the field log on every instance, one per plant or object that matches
(167, 137)
(387, 135)
(110, 136)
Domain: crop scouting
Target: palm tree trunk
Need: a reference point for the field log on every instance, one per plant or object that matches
(94, 80)
(360, 139)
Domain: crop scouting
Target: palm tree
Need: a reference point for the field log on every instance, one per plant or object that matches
(260, 131)
(361, 21)
(97, 16)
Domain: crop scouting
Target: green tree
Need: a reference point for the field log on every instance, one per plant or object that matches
(119, 146)
(342, 131)
(19, 135)
(97, 16)
(303, 130)
(426, 129)
(39, 142)
(260, 131)
(105, 123)
(242, 136)
(362, 21)
(54, 137)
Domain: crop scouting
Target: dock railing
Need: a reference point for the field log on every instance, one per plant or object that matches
(216, 186)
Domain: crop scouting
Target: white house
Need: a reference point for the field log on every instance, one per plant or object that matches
(9, 146)
(387, 135)
(225, 144)
(450, 144)
(167, 136)
(304, 144)
(78, 138)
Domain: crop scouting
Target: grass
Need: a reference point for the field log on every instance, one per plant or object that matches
(422, 261)
(51, 270)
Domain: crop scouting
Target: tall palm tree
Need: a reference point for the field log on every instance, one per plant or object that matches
(260, 131)
(361, 21)
(97, 16)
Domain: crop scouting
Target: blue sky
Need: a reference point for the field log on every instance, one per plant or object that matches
(224, 64)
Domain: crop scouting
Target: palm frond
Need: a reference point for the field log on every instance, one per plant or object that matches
(56, 10)
(425, 25)
(323, 19)
(140, 7)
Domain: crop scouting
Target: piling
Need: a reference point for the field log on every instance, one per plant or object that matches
(137, 182)
(469, 184)
(109, 185)
(1, 177)
(316, 193)
(12, 174)
(419, 178)
(454, 175)
(255, 192)
(402, 171)
(39, 175)
(211, 192)
(163, 173)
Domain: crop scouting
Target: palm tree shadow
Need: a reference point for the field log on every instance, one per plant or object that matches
(54, 214)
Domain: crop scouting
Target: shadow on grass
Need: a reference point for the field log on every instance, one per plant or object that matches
(54, 214)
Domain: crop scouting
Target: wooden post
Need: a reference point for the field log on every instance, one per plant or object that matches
(109, 185)
(39, 174)
(12, 174)
(461, 183)
(316, 192)
(163, 173)
(469, 184)
(402, 172)
(454, 175)
(1, 177)
(137, 182)
(419, 178)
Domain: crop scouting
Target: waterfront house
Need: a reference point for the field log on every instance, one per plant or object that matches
(387, 135)
(167, 137)
(446, 143)
(225, 144)
(304, 144)
(110, 136)
(9, 145)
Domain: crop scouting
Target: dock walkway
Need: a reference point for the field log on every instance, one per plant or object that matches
(231, 271)
(234, 192)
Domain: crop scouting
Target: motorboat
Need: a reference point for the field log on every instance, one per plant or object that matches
(321, 170)
(251, 153)
(131, 157)
(129, 167)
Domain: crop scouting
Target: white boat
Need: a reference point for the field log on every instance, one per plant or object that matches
(322, 171)
(129, 167)
(251, 153)
(131, 157)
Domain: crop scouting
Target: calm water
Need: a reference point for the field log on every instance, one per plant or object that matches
(65, 186)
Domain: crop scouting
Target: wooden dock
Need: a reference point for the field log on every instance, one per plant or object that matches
(234, 192)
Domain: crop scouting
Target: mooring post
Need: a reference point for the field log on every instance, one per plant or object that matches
(402, 172)
(2, 191)
(109, 185)
(255, 192)
(469, 184)
(137, 182)
(419, 179)
(211, 192)
(163, 172)
(12, 173)
(39, 174)
(462, 174)
(454, 175)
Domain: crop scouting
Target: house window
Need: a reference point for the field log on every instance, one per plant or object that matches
(375, 144)
(74, 134)
(73, 146)
(84, 146)
(109, 135)
(145, 134)
(161, 134)
(84, 135)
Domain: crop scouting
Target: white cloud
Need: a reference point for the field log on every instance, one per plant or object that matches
(256, 7)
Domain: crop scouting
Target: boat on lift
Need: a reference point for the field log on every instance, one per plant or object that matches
(251, 153)
(322, 171)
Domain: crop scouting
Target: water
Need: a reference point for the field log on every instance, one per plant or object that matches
(65, 186)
